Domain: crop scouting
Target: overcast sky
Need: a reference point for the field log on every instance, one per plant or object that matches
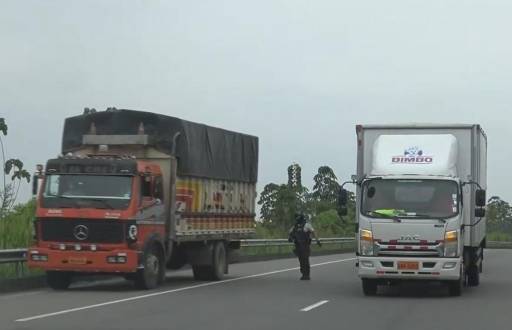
(298, 74)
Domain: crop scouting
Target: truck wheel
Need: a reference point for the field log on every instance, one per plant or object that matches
(220, 264)
(58, 280)
(473, 276)
(151, 275)
(217, 269)
(369, 287)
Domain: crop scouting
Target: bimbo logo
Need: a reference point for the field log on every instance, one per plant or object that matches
(412, 155)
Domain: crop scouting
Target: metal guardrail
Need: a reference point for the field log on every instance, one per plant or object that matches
(13, 255)
(20, 255)
(16, 257)
(499, 244)
(284, 242)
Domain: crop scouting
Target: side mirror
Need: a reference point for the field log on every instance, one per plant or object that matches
(480, 213)
(480, 199)
(35, 184)
(342, 198)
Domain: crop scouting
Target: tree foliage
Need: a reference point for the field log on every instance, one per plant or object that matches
(10, 167)
(3, 126)
(280, 202)
(498, 211)
(16, 167)
(326, 185)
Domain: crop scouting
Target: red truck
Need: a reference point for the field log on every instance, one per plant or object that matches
(134, 193)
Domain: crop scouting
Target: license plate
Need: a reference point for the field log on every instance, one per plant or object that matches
(77, 261)
(408, 265)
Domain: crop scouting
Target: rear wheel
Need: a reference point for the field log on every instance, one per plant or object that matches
(369, 287)
(153, 272)
(473, 276)
(218, 267)
(58, 280)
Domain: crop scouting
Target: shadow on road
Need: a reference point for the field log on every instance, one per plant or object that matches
(119, 284)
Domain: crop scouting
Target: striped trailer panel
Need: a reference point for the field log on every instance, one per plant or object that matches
(207, 206)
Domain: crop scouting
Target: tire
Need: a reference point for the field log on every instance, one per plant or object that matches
(58, 280)
(369, 287)
(218, 267)
(220, 264)
(473, 274)
(153, 272)
(481, 265)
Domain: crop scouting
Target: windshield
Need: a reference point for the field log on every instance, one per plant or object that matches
(95, 191)
(410, 198)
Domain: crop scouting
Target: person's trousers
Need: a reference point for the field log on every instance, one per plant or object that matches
(303, 253)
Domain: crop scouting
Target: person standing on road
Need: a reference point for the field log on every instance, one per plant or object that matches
(300, 234)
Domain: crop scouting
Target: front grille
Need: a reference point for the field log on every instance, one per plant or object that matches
(418, 249)
(97, 230)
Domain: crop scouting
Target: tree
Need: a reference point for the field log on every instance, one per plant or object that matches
(268, 200)
(280, 203)
(10, 167)
(498, 211)
(326, 186)
(294, 176)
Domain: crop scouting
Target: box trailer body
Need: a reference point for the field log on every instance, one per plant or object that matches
(416, 192)
(191, 197)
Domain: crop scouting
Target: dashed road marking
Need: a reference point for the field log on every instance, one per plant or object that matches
(150, 295)
(318, 304)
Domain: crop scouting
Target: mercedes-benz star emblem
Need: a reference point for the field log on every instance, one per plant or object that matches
(81, 232)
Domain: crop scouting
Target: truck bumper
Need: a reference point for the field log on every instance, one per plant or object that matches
(83, 261)
(440, 269)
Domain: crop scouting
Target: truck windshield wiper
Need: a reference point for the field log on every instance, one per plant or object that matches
(427, 216)
(391, 214)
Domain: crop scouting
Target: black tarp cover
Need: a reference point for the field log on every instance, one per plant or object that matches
(202, 151)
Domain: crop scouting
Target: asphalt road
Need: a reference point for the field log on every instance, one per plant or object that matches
(268, 295)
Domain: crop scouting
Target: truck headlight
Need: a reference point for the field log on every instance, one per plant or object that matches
(451, 243)
(366, 242)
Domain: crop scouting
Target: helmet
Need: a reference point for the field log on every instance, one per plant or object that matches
(300, 218)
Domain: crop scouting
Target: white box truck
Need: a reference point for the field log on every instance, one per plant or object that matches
(420, 204)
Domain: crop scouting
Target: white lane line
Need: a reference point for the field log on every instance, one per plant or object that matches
(318, 304)
(42, 316)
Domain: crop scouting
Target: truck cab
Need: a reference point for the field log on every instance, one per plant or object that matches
(419, 209)
(89, 216)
